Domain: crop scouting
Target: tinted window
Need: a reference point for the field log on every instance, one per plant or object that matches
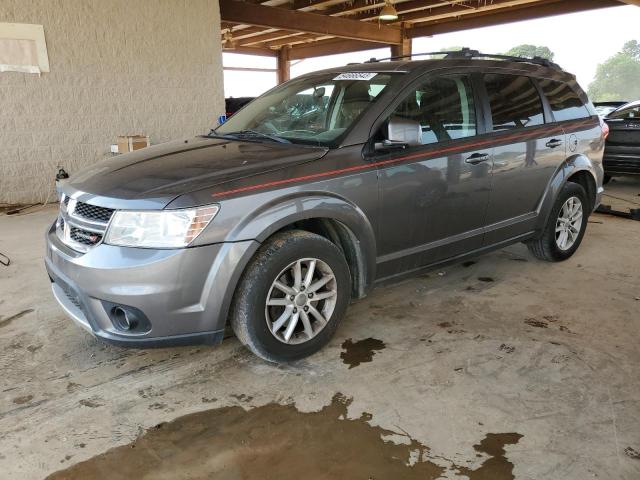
(514, 101)
(629, 112)
(565, 102)
(443, 107)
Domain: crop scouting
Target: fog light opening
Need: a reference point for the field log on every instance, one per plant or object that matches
(122, 319)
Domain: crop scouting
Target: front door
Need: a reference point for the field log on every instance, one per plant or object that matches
(433, 194)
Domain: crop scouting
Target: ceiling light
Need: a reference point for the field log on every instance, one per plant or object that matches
(388, 12)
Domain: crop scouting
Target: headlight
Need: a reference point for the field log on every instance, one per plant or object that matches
(159, 229)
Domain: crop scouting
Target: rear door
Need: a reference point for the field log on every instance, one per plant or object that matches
(433, 195)
(526, 155)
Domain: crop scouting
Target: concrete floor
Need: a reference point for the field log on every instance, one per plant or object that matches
(508, 367)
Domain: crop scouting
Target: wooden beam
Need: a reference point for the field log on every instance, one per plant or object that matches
(369, 9)
(631, 2)
(329, 47)
(267, 37)
(489, 19)
(284, 66)
(279, 18)
(291, 40)
(404, 49)
(262, 52)
(450, 11)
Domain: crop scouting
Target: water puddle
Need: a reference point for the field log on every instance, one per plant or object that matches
(361, 351)
(279, 442)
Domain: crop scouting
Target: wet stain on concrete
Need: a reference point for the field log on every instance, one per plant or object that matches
(486, 279)
(85, 402)
(34, 348)
(507, 348)
(496, 467)
(361, 351)
(532, 322)
(23, 399)
(7, 321)
(269, 442)
(280, 442)
(632, 453)
(242, 397)
(468, 264)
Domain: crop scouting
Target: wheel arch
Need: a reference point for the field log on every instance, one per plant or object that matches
(577, 169)
(324, 214)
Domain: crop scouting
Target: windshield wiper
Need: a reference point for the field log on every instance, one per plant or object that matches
(255, 134)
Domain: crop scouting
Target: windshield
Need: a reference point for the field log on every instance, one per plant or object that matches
(316, 110)
(628, 112)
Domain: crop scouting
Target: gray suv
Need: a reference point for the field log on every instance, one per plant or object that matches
(319, 190)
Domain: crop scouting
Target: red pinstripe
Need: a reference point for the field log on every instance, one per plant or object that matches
(373, 165)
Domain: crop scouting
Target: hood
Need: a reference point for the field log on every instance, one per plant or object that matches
(155, 175)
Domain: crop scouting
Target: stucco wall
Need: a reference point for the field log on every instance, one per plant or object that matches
(117, 67)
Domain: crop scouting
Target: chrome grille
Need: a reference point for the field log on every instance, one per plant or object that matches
(80, 225)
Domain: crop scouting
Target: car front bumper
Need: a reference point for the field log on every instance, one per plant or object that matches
(184, 294)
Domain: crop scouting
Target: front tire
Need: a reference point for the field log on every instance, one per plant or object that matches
(292, 296)
(565, 227)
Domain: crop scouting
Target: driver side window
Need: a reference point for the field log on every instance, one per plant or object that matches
(443, 108)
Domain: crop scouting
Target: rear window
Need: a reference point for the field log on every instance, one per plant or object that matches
(565, 102)
(514, 101)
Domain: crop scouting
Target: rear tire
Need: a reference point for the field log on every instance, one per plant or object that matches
(565, 227)
(275, 312)
(606, 179)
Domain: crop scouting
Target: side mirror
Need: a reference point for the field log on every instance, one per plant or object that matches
(401, 133)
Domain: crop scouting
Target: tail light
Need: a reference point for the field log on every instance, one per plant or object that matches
(605, 129)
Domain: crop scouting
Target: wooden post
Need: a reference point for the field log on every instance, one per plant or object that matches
(404, 48)
(284, 70)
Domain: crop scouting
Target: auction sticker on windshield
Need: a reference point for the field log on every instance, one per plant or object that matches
(356, 76)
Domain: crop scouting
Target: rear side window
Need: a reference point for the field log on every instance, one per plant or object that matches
(514, 102)
(565, 102)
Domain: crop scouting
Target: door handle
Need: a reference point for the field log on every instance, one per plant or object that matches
(554, 143)
(477, 158)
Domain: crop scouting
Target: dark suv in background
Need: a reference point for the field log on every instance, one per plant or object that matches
(622, 150)
(320, 189)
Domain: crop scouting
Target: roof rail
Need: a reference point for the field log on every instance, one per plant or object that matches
(468, 53)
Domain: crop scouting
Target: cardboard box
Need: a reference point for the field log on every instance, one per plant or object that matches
(129, 143)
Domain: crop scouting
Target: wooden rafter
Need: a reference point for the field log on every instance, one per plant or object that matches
(235, 11)
(322, 27)
(491, 18)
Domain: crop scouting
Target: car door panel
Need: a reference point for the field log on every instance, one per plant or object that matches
(526, 154)
(521, 173)
(434, 196)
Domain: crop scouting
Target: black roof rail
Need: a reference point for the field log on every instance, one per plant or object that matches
(469, 53)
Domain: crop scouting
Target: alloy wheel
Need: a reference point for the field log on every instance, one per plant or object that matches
(569, 223)
(301, 301)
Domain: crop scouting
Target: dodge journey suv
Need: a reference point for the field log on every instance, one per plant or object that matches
(320, 189)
